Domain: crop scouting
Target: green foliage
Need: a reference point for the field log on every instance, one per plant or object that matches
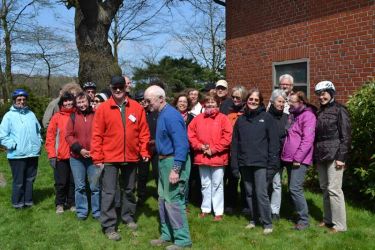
(176, 74)
(361, 171)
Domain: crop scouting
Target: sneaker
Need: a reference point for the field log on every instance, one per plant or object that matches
(203, 215)
(275, 217)
(218, 218)
(59, 209)
(158, 242)
(132, 226)
(267, 230)
(113, 235)
(72, 209)
(251, 225)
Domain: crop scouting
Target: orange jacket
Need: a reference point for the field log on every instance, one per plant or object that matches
(56, 145)
(215, 131)
(111, 141)
(233, 116)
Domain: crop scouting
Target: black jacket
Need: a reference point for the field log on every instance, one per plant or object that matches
(281, 120)
(333, 133)
(255, 141)
(226, 106)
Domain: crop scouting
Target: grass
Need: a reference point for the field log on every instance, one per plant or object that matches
(40, 228)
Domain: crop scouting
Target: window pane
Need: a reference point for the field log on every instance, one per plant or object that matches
(297, 70)
(300, 88)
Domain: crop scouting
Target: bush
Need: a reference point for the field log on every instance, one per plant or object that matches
(361, 172)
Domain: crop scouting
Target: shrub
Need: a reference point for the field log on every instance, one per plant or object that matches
(361, 172)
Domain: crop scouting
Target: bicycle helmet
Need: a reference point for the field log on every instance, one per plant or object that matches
(19, 92)
(89, 85)
(325, 86)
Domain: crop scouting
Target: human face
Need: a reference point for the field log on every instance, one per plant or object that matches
(91, 92)
(294, 102)
(182, 104)
(193, 96)
(253, 101)
(82, 103)
(97, 102)
(279, 103)
(211, 103)
(68, 104)
(324, 97)
(128, 84)
(118, 92)
(236, 97)
(153, 102)
(286, 85)
(20, 101)
(221, 91)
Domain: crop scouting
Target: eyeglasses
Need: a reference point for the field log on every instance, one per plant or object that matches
(118, 88)
(236, 97)
(88, 91)
(97, 101)
(253, 99)
(221, 88)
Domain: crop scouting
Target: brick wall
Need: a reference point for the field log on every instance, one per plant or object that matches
(338, 38)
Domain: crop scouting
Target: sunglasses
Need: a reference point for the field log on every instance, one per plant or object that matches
(97, 101)
(253, 99)
(119, 88)
(236, 97)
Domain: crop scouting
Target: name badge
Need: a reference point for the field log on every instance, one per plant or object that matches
(132, 118)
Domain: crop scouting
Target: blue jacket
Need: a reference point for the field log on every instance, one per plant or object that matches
(171, 136)
(20, 133)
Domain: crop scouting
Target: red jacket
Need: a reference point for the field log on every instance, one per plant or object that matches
(214, 130)
(111, 141)
(78, 133)
(56, 145)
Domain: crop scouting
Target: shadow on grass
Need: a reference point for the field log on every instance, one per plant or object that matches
(41, 194)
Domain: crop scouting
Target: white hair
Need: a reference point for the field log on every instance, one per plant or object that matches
(276, 93)
(241, 89)
(287, 76)
(155, 90)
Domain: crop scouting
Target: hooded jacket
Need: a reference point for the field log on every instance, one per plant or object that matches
(56, 145)
(299, 142)
(214, 130)
(20, 133)
(255, 140)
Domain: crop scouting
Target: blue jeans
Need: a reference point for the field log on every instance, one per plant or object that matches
(83, 168)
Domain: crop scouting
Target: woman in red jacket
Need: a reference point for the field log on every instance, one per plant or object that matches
(78, 136)
(210, 135)
(59, 153)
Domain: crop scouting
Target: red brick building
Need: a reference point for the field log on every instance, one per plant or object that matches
(313, 40)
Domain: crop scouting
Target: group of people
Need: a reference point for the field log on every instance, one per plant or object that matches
(215, 143)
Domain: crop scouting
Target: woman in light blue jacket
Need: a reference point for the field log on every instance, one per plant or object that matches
(20, 134)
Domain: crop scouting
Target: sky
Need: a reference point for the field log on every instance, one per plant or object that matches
(62, 20)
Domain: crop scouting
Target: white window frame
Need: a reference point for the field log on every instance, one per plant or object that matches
(305, 60)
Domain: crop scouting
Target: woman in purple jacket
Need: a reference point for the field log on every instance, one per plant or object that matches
(298, 151)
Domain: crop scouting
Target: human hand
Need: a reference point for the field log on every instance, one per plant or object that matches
(145, 158)
(340, 165)
(236, 174)
(174, 177)
(52, 162)
(100, 165)
(296, 164)
(85, 153)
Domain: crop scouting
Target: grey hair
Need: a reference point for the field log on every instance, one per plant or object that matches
(155, 91)
(241, 89)
(287, 76)
(276, 93)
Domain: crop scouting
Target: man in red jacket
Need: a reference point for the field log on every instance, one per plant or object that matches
(120, 137)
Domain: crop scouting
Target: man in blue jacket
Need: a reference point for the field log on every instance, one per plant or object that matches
(174, 168)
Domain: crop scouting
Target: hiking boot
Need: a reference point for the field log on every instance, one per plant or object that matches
(267, 230)
(158, 242)
(132, 226)
(175, 247)
(218, 218)
(251, 225)
(59, 209)
(113, 235)
(72, 209)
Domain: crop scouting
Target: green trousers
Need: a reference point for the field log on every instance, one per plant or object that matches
(173, 219)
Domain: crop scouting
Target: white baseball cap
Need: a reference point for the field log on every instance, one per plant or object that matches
(222, 83)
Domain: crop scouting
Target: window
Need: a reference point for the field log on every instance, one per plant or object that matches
(299, 69)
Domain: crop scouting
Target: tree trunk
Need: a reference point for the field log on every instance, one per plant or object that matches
(8, 59)
(96, 62)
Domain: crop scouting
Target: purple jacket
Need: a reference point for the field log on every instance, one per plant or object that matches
(299, 143)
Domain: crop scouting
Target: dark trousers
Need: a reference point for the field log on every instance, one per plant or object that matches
(110, 179)
(24, 173)
(64, 183)
(142, 178)
(231, 190)
(255, 179)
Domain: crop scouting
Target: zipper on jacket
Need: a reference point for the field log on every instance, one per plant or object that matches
(123, 118)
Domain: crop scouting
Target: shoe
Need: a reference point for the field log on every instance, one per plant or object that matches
(275, 217)
(158, 242)
(267, 230)
(323, 224)
(251, 225)
(132, 226)
(175, 247)
(218, 218)
(72, 209)
(203, 215)
(300, 227)
(113, 235)
(59, 209)
(228, 210)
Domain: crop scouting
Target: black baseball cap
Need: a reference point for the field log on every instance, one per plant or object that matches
(117, 80)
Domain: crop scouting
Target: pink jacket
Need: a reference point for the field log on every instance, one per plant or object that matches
(299, 143)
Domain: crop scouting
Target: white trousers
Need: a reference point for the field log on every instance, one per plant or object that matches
(212, 189)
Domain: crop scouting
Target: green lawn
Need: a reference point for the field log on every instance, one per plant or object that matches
(40, 228)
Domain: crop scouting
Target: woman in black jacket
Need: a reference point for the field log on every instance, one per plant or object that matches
(274, 174)
(332, 143)
(255, 147)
